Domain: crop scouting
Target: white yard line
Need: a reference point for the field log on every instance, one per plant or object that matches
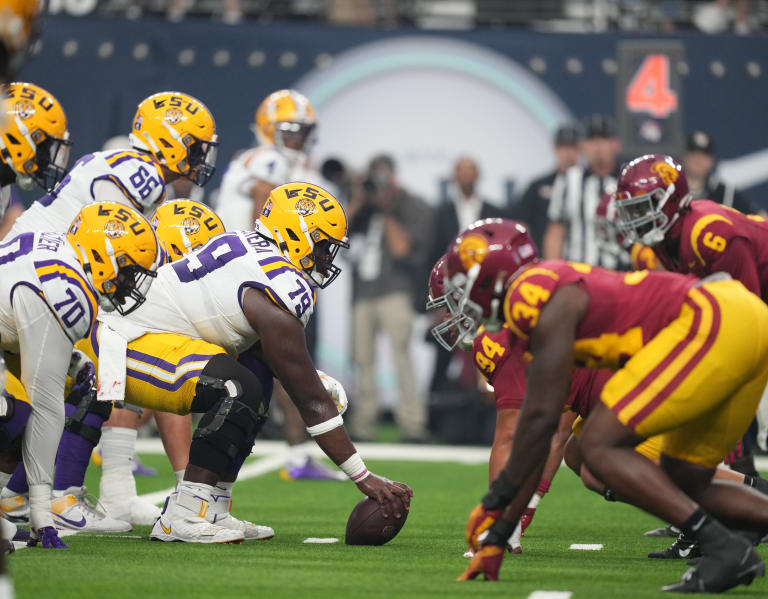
(586, 547)
(550, 595)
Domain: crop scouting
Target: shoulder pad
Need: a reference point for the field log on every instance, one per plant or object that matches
(526, 296)
(709, 237)
(137, 175)
(267, 164)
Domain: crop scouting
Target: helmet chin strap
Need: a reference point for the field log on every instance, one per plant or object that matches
(493, 323)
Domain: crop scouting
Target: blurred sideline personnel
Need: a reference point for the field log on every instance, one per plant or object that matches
(571, 232)
(393, 230)
(53, 287)
(263, 285)
(704, 184)
(284, 125)
(174, 135)
(533, 208)
(691, 361)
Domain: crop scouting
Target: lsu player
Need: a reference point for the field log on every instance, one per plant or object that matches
(53, 287)
(691, 360)
(248, 294)
(173, 135)
(284, 125)
(18, 28)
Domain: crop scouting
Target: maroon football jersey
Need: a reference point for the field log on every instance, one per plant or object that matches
(714, 238)
(625, 310)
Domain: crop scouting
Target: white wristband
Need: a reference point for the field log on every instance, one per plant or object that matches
(354, 468)
(324, 427)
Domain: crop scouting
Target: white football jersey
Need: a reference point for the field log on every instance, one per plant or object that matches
(137, 181)
(200, 295)
(48, 265)
(234, 204)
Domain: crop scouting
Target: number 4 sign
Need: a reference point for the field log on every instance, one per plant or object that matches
(649, 90)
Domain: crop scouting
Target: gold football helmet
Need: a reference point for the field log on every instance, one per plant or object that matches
(185, 225)
(17, 30)
(119, 252)
(286, 120)
(34, 141)
(179, 131)
(309, 226)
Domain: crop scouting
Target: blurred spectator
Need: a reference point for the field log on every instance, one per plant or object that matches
(393, 227)
(15, 208)
(534, 205)
(699, 163)
(571, 231)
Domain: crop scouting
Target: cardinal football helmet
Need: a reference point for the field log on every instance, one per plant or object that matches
(446, 304)
(309, 226)
(185, 225)
(119, 252)
(651, 193)
(286, 120)
(179, 131)
(34, 141)
(479, 263)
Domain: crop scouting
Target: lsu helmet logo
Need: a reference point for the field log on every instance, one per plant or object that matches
(24, 109)
(666, 172)
(472, 250)
(191, 225)
(173, 116)
(114, 229)
(305, 207)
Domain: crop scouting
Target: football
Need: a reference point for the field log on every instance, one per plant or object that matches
(368, 526)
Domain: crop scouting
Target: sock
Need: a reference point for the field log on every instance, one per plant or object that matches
(225, 487)
(18, 483)
(4, 478)
(6, 586)
(694, 525)
(543, 487)
(179, 474)
(198, 489)
(297, 456)
(757, 483)
(118, 445)
(74, 453)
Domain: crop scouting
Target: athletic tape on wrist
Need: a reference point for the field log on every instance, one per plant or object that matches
(354, 468)
(324, 427)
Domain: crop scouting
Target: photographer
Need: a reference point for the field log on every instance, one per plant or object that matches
(392, 229)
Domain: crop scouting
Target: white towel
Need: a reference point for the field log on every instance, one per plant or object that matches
(112, 355)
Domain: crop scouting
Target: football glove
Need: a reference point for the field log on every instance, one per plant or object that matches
(487, 561)
(48, 537)
(82, 371)
(480, 520)
(335, 390)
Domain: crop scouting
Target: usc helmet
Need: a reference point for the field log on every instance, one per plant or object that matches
(478, 266)
(446, 304)
(309, 226)
(651, 193)
(119, 252)
(286, 120)
(179, 131)
(34, 141)
(185, 225)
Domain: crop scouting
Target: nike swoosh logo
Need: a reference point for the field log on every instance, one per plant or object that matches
(165, 530)
(79, 524)
(685, 552)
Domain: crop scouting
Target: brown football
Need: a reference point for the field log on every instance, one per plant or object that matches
(368, 526)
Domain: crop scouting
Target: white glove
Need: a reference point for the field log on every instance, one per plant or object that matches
(335, 390)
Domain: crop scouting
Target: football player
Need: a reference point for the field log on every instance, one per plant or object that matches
(18, 27)
(248, 294)
(53, 287)
(284, 125)
(173, 135)
(691, 361)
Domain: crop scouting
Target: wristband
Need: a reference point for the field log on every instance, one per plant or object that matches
(499, 532)
(499, 494)
(543, 487)
(324, 427)
(354, 468)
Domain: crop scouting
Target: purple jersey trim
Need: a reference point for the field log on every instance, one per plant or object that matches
(166, 386)
(60, 275)
(266, 290)
(273, 273)
(169, 367)
(272, 260)
(123, 188)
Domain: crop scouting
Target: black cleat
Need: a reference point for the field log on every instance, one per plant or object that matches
(664, 531)
(682, 548)
(717, 573)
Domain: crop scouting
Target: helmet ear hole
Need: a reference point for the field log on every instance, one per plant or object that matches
(292, 235)
(97, 257)
(12, 139)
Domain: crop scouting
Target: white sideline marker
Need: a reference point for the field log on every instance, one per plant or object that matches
(586, 547)
(322, 540)
(550, 595)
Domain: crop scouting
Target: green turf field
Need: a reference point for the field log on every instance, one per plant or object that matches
(422, 561)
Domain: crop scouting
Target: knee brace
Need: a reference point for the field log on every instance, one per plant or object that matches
(85, 405)
(230, 425)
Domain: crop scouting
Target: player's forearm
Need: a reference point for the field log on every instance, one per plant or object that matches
(337, 445)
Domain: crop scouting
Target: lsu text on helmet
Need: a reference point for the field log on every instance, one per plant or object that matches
(179, 131)
(34, 141)
(651, 193)
(184, 225)
(309, 226)
(286, 120)
(119, 252)
(479, 264)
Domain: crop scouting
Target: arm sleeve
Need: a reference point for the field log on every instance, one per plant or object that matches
(45, 353)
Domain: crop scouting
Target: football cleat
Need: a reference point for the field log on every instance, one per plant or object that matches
(75, 510)
(15, 508)
(219, 512)
(312, 470)
(183, 520)
(118, 498)
(664, 531)
(682, 548)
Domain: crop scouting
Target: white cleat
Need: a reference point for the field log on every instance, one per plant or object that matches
(219, 513)
(75, 510)
(118, 497)
(14, 508)
(183, 519)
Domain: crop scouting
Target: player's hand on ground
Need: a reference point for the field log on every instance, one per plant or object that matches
(487, 561)
(393, 497)
(480, 520)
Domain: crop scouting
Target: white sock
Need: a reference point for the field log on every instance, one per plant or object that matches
(7, 530)
(534, 502)
(199, 489)
(297, 455)
(6, 586)
(117, 483)
(40, 506)
(4, 478)
(179, 474)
